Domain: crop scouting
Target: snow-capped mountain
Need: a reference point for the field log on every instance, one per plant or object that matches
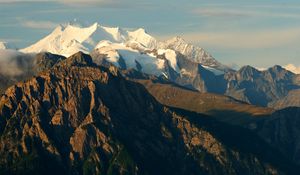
(174, 59)
(67, 40)
(194, 53)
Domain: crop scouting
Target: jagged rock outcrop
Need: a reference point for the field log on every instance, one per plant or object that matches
(79, 118)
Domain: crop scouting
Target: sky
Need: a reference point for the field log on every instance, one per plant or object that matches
(261, 33)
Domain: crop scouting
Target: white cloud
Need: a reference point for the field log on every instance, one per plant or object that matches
(38, 24)
(292, 68)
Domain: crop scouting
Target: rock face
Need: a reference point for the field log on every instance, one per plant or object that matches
(79, 118)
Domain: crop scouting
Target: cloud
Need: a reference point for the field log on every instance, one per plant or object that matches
(38, 24)
(10, 40)
(20, 1)
(292, 68)
(81, 3)
(245, 39)
(225, 12)
(14, 63)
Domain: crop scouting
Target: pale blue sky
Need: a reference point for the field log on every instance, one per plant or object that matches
(259, 33)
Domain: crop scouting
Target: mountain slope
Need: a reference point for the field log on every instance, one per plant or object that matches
(78, 118)
(282, 129)
(163, 62)
(291, 100)
(222, 108)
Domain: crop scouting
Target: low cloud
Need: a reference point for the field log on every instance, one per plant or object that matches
(14, 63)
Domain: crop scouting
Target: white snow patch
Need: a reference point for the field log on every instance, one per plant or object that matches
(171, 56)
(149, 63)
(292, 68)
(213, 70)
(185, 72)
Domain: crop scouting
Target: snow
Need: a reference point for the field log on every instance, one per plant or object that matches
(5, 45)
(292, 68)
(73, 38)
(149, 63)
(135, 47)
(2, 45)
(142, 37)
(213, 70)
(185, 72)
(171, 56)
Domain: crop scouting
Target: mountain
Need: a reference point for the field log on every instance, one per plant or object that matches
(69, 39)
(194, 53)
(80, 118)
(279, 128)
(174, 59)
(260, 87)
(163, 62)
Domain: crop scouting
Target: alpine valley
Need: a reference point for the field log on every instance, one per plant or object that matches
(105, 100)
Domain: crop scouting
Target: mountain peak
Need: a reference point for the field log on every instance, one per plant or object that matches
(247, 68)
(79, 59)
(276, 68)
(141, 30)
(248, 71)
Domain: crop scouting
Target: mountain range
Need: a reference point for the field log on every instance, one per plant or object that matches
(104, 100)
(79, 118)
